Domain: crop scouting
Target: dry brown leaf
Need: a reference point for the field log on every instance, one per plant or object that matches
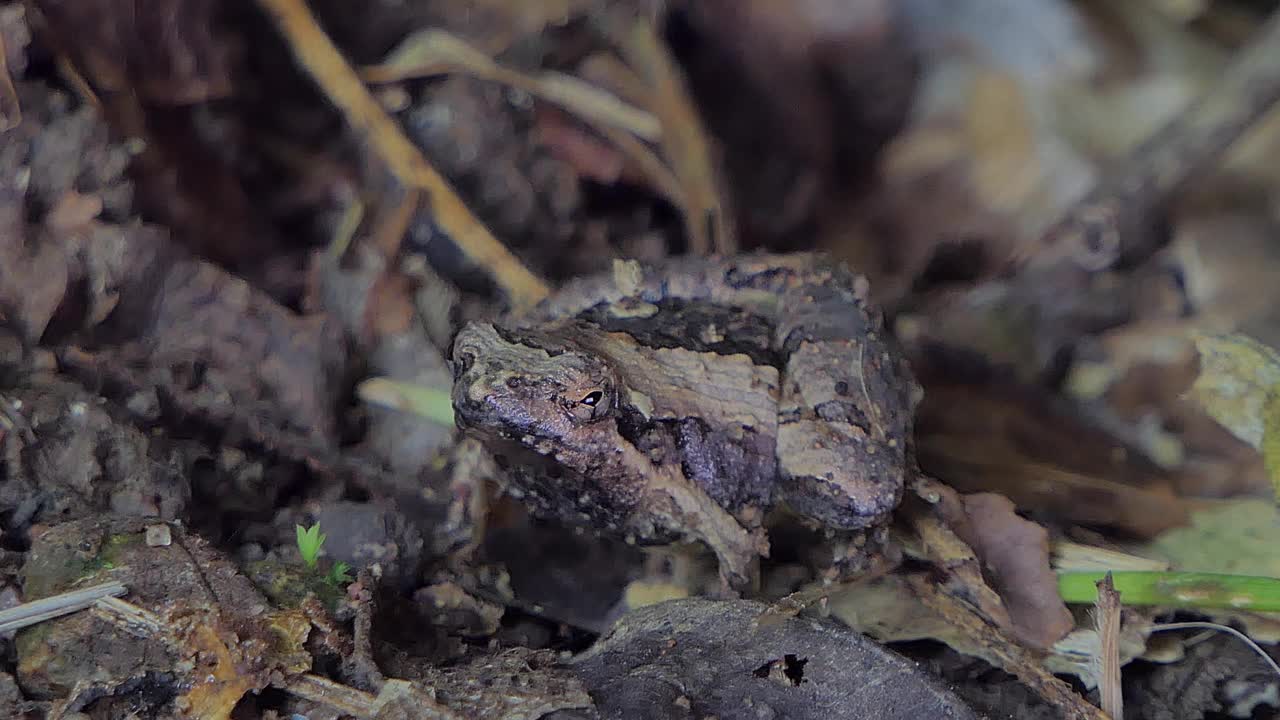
(912, 606)
(1015, 559)
(33, 281)
(1220, 273)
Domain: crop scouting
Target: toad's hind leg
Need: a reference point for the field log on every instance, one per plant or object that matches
(845, 409)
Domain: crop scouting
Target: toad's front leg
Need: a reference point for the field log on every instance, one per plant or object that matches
(684, 507)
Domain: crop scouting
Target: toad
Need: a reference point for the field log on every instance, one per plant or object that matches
(684, 401)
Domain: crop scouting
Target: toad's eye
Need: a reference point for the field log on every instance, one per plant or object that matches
(592, 406)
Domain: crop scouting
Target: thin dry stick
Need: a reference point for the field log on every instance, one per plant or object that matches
(1106, 615)
(48, 608)
(322, 60)
(1110, 222)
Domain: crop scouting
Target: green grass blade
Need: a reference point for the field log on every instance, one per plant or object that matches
(434, 404)
(1177, 589)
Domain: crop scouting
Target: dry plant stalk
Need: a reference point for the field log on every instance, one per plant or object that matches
(1106, 617)
(37, 611)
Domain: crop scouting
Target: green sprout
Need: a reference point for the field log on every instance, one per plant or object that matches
(310, 540)
(338, 574)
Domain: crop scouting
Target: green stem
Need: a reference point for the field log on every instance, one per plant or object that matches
(1177, 589)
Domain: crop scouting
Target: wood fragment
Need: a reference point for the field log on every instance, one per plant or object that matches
(1112, 223)
(360, 667)
(336, 78)
(1011, 657)
(132, 618)
(360, 704)
(1106, 617)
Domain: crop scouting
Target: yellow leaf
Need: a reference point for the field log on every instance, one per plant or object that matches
(1239, 386)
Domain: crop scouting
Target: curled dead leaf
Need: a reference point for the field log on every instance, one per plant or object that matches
(1015, 558)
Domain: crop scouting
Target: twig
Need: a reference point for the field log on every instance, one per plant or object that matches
(1110, 223)
(390, 230)
(322, 60)
(626, 127)
(434, 52)
(1106, 615)
(360, 667)
(38, 611)
(347, 700)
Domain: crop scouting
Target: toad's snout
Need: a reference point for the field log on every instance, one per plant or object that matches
(467, 347)
(484, 393)
(473, 397)
(469, 383)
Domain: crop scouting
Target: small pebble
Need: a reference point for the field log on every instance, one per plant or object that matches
(158, 535)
